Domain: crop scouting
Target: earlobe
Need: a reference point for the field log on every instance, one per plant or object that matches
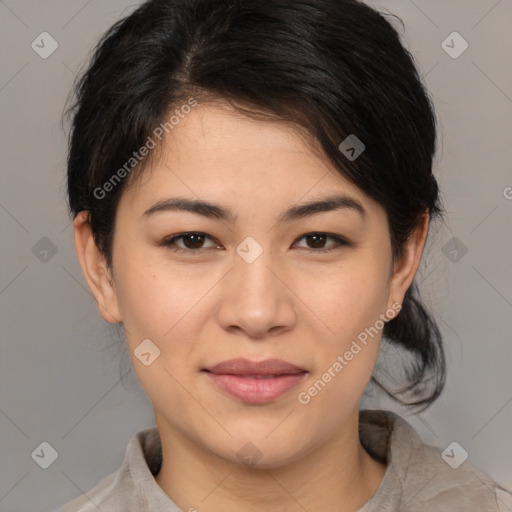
(95, 269)
(405, 269)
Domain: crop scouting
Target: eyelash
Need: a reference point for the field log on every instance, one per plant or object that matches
(169, 242)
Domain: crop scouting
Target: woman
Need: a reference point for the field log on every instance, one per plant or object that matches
(251, 185)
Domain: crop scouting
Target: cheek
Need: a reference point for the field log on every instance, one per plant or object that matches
(164, 309)
(170, 307)
(347, 299)
(156, 300)
(342, 369)
(350, 302)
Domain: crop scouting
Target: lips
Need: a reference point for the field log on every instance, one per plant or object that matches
(244, 367)
(255, 382)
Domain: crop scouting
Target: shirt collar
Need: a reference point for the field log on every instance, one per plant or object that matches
(381, 432)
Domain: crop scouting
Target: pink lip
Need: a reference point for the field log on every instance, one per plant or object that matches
(256, 383)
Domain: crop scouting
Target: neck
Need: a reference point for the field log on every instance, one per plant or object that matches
(336, 476)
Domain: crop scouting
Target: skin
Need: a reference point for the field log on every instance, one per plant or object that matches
(291, 303)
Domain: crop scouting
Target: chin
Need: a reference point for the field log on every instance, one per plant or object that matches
(260, 450)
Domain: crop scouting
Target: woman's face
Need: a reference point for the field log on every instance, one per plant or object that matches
(252, 284)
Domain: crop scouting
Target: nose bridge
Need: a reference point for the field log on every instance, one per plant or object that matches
(253, 269)
(255, 299)
(255, 281)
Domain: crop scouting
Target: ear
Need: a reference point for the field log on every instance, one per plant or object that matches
(405, 268)
(95, 269)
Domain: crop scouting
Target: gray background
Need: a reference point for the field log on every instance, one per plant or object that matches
(61, 364)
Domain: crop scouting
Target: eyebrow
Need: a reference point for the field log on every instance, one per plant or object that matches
(216, 211)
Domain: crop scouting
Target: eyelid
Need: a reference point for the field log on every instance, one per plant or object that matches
(169, 241)
(340, 242)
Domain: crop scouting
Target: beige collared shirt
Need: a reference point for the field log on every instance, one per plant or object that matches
(417, 479)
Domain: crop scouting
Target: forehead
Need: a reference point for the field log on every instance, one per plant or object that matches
(216, 152)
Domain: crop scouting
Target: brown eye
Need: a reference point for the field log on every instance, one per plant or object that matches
(191, 242)
(316, 241)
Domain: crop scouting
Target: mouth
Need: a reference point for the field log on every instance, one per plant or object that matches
(255, 382)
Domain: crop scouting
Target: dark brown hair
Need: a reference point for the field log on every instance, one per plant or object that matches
(333, 67)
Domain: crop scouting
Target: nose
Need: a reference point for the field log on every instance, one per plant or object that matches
(255, 299)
